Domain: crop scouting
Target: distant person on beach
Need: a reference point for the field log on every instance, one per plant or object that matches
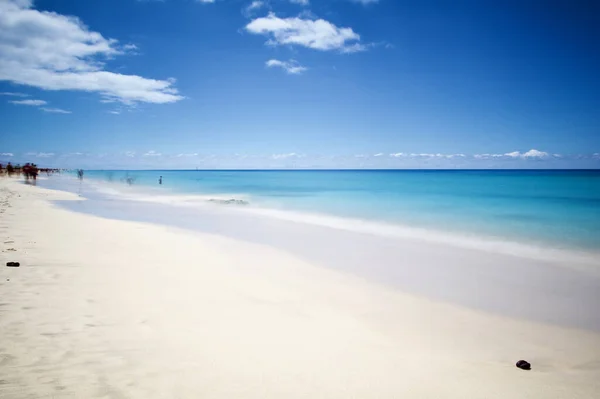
(160, 180)
(80, 174)
(9, 169)
(26, 171)
(33, 171)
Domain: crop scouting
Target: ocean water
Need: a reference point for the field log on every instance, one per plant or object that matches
(560, 209)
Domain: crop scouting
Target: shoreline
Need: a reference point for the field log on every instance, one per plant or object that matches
(102, 308)
(582, 259)
(473, 277)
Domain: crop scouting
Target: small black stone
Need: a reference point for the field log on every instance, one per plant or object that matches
(523, 365)
(13, 264)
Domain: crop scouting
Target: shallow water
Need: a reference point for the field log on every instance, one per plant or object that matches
(553, 208)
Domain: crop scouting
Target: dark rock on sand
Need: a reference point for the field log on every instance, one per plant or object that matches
(13, 264)
(523, 365)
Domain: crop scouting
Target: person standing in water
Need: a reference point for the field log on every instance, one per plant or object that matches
(160, 180)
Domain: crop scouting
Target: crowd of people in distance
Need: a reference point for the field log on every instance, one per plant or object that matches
(29, 171)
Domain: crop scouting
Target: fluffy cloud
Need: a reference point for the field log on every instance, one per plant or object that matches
(152, 153)
(57, 52)
(365, 2)
(529, 154)
(255, 5)
(292, 66)
(35, 103)
(535, 154)
(315, 34)
(301, 2)
(514, 154)
(7, 154)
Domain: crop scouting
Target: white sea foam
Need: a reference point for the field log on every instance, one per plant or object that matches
(158, 195)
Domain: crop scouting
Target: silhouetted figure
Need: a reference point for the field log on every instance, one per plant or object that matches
(80, 174)
(160, 180)
(33, 171)
(10, 169)
(26, 171)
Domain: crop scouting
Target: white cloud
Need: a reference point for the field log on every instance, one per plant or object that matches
(57, 52)
(35, 103)
(487, 156)
(115, 112)
(380, 154)
(535, 154)
(255, 5)
(40, 154)
(315, 34)
(514, 154)
(427, 155)
(130, 154)
(398, 155)
(205, 1)
(365, 2)
(284, 156)
(7, 154)
(292, 66)
(531, 154)
(301, 2)
(187, 155)
(152, 153)
(14, 94)
(55, 110)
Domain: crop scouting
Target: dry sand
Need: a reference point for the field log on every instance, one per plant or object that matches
(114, 309)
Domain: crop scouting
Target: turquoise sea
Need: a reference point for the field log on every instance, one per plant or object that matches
(550, 208)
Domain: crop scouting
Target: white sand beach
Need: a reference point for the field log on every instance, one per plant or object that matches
(105, 308)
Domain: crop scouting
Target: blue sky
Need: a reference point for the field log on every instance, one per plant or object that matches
(282, 83)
